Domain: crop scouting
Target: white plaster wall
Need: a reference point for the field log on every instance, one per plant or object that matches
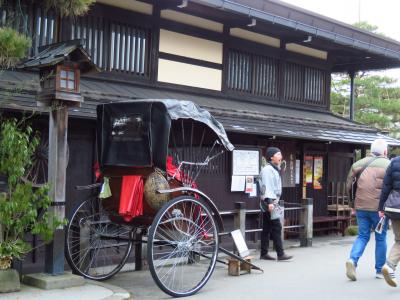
(190, 75)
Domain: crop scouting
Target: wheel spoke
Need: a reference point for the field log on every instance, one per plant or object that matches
(182, 246)
(96, 247)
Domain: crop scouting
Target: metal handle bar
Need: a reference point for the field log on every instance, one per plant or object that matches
(88, 187)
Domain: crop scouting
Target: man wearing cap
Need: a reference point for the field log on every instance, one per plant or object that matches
(271, 191)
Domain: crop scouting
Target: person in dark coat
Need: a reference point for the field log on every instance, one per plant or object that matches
(391, 182)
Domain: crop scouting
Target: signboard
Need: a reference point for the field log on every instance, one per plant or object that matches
(308, 169)
(249, 184)
(297, 171)
(288, 170)
(238, 183)
(240, 243)
(318, 172)
(245, 162)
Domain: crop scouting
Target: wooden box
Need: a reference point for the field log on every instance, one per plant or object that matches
(236, 267)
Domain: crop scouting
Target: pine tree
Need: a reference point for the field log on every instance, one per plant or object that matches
(377, 98)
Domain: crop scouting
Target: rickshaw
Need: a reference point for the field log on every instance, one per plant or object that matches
(154, 148)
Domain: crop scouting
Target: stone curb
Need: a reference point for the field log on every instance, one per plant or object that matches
(118, 293)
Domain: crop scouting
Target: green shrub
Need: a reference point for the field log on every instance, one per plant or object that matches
(23, 208)
(351, 230)
(70, 7)
(13, 47)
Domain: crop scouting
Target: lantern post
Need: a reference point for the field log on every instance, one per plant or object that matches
(60, 66)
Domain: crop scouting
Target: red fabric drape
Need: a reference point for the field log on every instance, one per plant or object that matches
(131, 199)
(172, 170)
(97, 171)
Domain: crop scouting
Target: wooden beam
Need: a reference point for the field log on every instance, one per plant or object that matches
(58, 128)
(188, 60)
(155, 44)
(225, 58)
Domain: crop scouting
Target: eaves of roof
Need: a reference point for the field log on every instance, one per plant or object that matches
(326, 28)
(236, 116)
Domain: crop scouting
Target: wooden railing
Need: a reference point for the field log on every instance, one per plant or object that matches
(301, 214)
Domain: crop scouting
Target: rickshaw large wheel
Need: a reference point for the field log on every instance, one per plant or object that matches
(182, 246)
(96, 248)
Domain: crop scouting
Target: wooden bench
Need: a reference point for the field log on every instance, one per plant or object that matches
(331, 223)
(338, 200)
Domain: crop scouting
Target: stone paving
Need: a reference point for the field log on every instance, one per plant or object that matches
(315, 273)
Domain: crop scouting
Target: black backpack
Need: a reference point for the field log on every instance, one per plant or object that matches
(392, 205)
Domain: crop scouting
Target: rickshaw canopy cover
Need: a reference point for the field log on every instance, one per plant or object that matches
(136, 133)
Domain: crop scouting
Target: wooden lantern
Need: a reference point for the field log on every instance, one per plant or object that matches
(60, 82)
(60, 66)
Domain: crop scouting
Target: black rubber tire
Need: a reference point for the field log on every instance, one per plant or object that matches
(190, 262)
(117, 255)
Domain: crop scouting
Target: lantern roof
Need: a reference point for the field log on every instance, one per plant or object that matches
(54, 54)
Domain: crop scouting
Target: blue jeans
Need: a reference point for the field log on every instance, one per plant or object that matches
(366, 221)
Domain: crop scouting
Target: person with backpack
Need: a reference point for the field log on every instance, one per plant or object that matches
(389, 206)
(364, 184)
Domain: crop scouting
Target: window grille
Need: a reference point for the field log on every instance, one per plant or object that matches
(114, 46)
(250, 73)
(304, 84)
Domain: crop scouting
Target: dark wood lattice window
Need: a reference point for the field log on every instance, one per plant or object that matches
(293, 82)
(250, 73)
(115, 46)
(314, 85)
(239, 71)
(30, 19)
(304, 84)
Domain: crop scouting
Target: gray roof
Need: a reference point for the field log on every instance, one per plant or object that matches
(18, 90)
(349, 48)
(54, 54)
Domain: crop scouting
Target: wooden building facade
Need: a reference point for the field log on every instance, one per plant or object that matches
(262, 67)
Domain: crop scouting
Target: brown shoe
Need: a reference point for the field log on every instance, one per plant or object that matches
(267, 257)
(285, 257)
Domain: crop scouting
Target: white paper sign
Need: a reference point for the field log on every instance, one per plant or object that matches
(238, 183)
(297, 171)
(254, 192)
(249, 184)
(240, 243)
(245, 162)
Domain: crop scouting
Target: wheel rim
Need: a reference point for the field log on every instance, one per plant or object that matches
(184, 246)
(36, 174)
(96, 247)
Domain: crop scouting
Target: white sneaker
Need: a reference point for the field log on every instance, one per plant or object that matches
(351, 270)
(389, 275)
(379, 275)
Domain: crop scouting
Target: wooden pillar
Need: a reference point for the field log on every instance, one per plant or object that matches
(58, 128)
(155, 41)
(240, 217)
(363, 151)
(306, 219)
(351, 74)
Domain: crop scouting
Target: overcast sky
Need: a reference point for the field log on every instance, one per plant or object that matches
(382, 13)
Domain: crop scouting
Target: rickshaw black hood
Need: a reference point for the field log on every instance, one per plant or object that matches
(136, 133)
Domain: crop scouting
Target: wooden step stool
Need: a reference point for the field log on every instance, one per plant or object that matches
(236, 267)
